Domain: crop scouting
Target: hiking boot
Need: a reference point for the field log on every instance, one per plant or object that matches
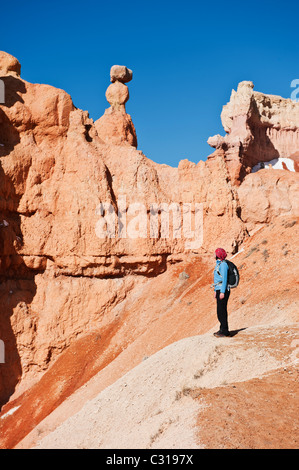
(218, 334)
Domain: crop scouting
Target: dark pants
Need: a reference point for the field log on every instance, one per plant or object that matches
(222, 311)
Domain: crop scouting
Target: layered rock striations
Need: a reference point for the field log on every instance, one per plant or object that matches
(83, 209)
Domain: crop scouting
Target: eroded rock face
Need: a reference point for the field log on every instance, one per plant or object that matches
(259, 127)
(64, 178)
(9, 64)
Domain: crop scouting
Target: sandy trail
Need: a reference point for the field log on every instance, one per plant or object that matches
(151, 406)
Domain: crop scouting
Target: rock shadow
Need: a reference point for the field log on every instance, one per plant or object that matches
(261, 148)
(9, 135)
(17, 289)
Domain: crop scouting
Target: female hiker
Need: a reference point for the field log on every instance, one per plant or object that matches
(222, 291)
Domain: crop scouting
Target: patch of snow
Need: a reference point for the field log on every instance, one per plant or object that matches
(10, 412)
(242, 249)
(276, 164)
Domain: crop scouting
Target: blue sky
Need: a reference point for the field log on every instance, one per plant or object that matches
(186, 57)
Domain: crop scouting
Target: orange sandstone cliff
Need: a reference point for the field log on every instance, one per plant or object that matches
(92, 281)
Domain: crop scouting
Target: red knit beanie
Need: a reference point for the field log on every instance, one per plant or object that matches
(221, 253)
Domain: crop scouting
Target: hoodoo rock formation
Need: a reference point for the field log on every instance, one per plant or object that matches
(90, 227)
(259, 127)
(116, 126)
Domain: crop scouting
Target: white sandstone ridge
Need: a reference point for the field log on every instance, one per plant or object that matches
(269, 110)
(151, 405)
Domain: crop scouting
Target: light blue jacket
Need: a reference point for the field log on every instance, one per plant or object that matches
(220, 281)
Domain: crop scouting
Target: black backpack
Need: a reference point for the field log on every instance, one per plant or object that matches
(233, 276)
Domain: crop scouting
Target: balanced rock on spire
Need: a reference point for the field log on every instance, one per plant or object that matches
(115, 126)
(120, 73)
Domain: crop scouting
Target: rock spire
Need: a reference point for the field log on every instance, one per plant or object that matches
(115, 126)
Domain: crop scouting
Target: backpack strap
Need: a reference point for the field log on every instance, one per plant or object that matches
(218, 271)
